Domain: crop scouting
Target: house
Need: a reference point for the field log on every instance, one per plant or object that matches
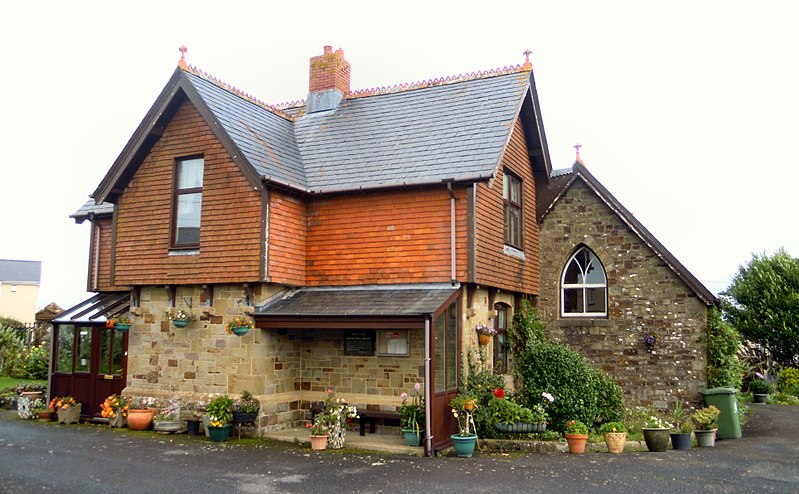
(19, 289)
(366, 233)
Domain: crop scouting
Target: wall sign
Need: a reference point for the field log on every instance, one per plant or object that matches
(359, 343)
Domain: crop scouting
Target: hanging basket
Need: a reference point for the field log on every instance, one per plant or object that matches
(122, 327)
(483, 339)
(240, 331)
(180, 323)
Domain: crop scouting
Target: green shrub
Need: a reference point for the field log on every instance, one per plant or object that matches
(723, 343)
(553, 368)
(10, 347)
(505, 411)
(611, 427)
(761, 386)
(788, 380)
(480, 382)
(221, 408)
(37, 361)
(635, 418)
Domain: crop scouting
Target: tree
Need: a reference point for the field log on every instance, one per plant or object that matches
(762, 303)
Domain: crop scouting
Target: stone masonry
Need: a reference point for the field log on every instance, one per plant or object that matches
(644, 296)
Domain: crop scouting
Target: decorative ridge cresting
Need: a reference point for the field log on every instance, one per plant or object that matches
(237, 92)
(409, 86)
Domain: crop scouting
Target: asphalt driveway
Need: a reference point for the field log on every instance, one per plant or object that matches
(39, 457)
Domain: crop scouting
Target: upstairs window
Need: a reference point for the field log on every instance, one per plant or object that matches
(584, 286)
(188, 202)
(512, 199)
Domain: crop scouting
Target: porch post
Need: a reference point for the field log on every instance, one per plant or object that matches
(428, 439)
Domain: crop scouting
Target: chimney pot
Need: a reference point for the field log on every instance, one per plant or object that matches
(328, 49)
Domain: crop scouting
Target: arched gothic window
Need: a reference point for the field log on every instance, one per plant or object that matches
(583, 286)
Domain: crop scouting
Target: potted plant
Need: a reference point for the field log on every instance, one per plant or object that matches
(615, 436)
(42, 411)
(682, 427)
(180, 318)
(194, 411)
(115, 409)
(245, 409)
(484, 333)
(337, 415)
(168, 419)
(705, 421)
(463, 408)
(120, 323)
(67, 408)
(576, 434)
(412, 416)
(760, 389)
(220, 413)
(140, 413)
(319, 431)
(507, 415)
(656, 434)
(239, 325)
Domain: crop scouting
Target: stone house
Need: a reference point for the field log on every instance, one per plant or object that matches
(366, 233)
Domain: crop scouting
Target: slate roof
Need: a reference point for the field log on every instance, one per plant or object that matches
(92, 208)
(370, 301)
(559, 183)
(20, 272)
(443, 130)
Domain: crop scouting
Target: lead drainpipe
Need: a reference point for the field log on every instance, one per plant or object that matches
(428, 439)
(451, 231)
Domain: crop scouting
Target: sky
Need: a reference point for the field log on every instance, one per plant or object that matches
(686, 110)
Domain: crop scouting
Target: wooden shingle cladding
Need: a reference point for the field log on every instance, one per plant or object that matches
(287, 238)
(100, 256)
(230, 231)
(392, 236)
(492, 266)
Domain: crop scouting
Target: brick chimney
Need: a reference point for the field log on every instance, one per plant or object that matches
(329, 80)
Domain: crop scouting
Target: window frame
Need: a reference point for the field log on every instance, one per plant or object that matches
(583, 286)
(509, 180)
(503, 331)
(176, 194)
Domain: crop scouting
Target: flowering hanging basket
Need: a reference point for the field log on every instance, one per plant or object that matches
(240, 330)
(239, 326)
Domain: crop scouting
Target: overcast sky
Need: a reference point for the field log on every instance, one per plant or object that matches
(687, 111)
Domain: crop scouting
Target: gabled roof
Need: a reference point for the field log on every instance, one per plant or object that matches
(445, 130)
(91, 208)
(560, 181)
(20, 272)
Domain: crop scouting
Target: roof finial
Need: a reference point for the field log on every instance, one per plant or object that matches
(182, 63)
(577, 159)
(527, 65)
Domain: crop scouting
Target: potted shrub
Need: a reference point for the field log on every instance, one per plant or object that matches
(705, 421)
(220, 413)
(180, 318)
(412, 416)
(319, 431)
(115, 409)
(615, 436)
(67, 408)
(239, 326)
(120, 323)
(682, 427)
(464, 408)
(245, 409)
(576, 435)
(656, 434)
(760, 389)
(507, 415)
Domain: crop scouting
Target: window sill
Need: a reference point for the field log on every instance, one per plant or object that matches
(589, 322)
(513, 252)
(184, 252)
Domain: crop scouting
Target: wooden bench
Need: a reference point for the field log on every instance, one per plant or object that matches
(372, 416)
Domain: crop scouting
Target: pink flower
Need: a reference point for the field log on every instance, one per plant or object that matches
(548, 396)
(417, 386)
(404, 396)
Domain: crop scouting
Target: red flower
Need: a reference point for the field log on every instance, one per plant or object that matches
(499, 393)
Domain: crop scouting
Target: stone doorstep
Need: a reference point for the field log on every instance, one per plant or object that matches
(502, 445)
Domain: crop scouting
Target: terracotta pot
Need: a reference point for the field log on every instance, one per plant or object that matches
(140, 419)
(577, 443)
(483, 339)
(468, 405)
(318, 443)
(45, 416)
(615, 441)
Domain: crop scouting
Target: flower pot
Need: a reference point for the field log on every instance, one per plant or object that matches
(245, 417)
(45, 416)
(519, 427)
(615, 441)
(705, 439)
(166, 425)
(179, 323)
(483, 339)
(140, 419)
(412, 437)
(759, 397)
(464, 445)
(577, 443)
(680, 440)
(540, 427)
(193, 427)
(117, 420)
(219, 434)
(318, 443)
(468, 405)
(69, 415)
(657, 440)
(240, 331)
(32, 395)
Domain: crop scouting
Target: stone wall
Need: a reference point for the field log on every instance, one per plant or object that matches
(644, 296)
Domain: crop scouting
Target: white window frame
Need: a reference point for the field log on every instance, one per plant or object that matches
(584, 286)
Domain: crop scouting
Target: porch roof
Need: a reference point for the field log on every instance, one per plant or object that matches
(359, 306)
(96, 308)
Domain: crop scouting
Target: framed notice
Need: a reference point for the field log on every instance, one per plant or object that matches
(394, 343)
(359, 343)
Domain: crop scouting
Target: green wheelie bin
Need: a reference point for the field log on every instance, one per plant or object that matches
(725, 400)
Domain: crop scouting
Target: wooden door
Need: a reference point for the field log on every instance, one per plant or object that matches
(446, 373)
